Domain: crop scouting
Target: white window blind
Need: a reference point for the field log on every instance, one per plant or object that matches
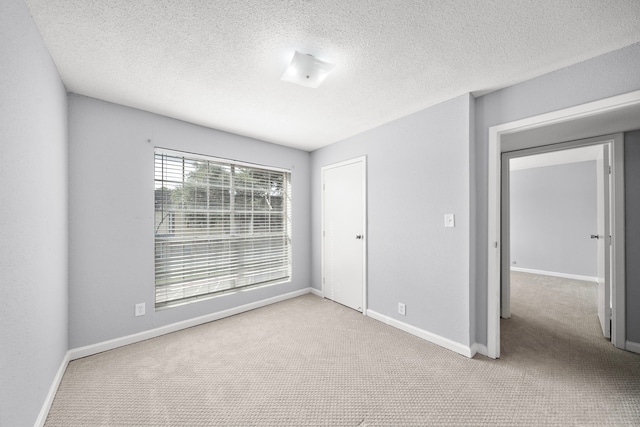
(219, 225)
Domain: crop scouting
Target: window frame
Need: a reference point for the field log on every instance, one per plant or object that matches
(269, 249)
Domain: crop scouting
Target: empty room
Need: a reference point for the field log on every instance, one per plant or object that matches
(298, 213)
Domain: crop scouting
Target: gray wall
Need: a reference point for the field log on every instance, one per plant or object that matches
(112, 215)
(553, 214)
(418, 170)
(33, 218)
(602, 77)
(632, 237)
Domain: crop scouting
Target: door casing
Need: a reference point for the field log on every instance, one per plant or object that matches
(596, 109)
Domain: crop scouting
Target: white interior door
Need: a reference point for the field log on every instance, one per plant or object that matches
(603, 237)
(344, 225)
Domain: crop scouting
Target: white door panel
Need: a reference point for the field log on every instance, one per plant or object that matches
(344, 233)
(603, 238)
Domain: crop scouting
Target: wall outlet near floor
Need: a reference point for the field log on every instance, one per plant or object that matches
(140, 309)
(402, 309)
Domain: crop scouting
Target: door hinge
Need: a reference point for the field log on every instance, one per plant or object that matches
(609, 170)
(495, 245)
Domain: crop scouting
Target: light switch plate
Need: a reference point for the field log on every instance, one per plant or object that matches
(449, 220)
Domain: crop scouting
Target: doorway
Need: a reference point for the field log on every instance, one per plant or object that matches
(614, 114)
(556, 219)
(344, 254)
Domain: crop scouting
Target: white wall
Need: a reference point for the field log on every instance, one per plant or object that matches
(33, 218)
(608, 75)
(418, 170)
(553, 214)
(112, 216)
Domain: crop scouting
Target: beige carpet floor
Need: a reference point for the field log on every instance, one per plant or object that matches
(311, 362)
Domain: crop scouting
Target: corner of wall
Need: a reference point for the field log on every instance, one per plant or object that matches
(473, 226)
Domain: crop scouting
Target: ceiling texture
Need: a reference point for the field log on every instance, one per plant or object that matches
(218, 63)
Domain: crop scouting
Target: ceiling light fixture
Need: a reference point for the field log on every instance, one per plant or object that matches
(306, 70)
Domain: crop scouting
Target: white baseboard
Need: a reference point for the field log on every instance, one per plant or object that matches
(556, 274)
(48, 401)
(317, 292)
(480, 349)
(632, 346)
(425, 335)
(89, 350)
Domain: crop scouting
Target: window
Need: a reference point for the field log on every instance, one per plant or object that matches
(219, 225)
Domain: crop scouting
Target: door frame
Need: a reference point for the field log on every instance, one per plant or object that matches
(363, 160)
(588, 110)
(614, 142)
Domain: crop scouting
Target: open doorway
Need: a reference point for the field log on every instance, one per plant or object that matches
(610, 227)
(615, 114)
(556, 238)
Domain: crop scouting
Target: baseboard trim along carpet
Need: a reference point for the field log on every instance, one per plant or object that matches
(479, 348)
(555, 274)
(317, 292)
(89, 350)
(92, 349)
(48, 401)
(425, 335)
(632, 346)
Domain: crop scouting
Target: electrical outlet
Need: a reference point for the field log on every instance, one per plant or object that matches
(402, 309)
(449, 220)
(140, 309)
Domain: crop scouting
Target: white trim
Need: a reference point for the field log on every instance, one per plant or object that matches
(365, 244)
(345, 162)
(618, 255)
(425, 335)
(89, 350)
(479, 348)
(493, 247)
(555, 274)
(363, 160)
(317, 292)
(53, 389)
(632, 346)
(494, 182)
(589, 109)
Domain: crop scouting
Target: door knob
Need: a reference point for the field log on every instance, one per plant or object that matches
(595, 236)
(359, 236)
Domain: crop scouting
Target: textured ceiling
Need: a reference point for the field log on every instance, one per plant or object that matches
(219, 63)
